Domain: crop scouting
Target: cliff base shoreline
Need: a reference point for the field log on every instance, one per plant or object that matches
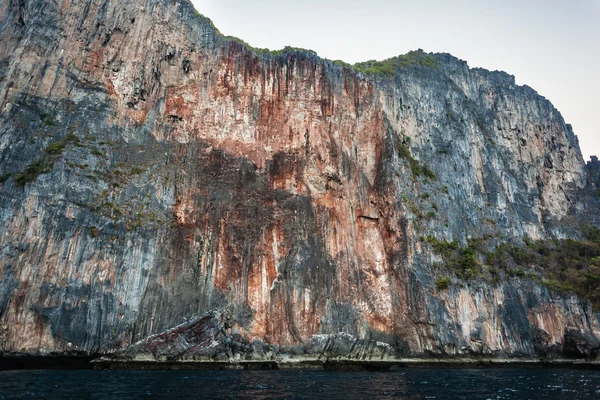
(8, 363)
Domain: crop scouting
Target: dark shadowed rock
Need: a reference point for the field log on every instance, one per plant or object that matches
(580, 344)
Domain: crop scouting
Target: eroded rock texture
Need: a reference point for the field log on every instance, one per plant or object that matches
(154, 170)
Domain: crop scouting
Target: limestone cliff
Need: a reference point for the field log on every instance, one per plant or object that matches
(153, 170)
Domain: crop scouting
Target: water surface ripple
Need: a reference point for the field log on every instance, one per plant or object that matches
(448, 384)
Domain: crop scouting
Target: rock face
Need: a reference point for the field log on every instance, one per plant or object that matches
(209, 339)
(594, 171)
(200, 338)
(153, 170)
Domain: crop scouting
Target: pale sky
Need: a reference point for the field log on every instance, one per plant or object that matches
(550, 45)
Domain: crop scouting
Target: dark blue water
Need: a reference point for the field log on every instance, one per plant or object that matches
(296, 384)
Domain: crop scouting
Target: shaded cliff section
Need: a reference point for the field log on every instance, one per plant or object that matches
(593, 167)
(152, 171)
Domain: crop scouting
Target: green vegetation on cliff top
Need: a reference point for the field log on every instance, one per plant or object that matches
(386, 68)
(389, 67)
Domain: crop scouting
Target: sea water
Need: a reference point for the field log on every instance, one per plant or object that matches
(501, 383)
